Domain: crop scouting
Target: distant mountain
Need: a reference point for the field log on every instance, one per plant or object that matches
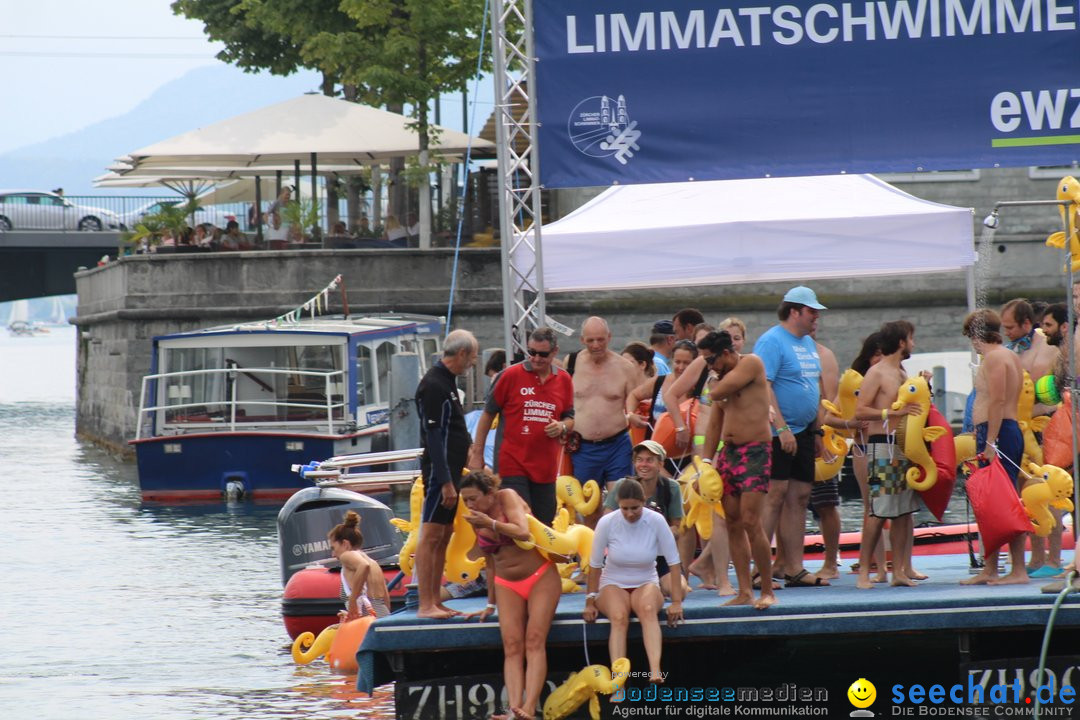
(201, 97)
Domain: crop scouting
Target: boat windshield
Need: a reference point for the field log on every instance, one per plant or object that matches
(269, 383)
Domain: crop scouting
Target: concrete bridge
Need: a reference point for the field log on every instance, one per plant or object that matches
(39, 264)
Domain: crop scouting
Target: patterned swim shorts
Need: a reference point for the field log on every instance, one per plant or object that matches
(745, 468)
(890, 495)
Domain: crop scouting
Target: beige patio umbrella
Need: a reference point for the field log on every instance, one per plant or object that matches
(333, 131)
(308, 129)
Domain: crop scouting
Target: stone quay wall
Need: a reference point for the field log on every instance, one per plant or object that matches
(124, 304)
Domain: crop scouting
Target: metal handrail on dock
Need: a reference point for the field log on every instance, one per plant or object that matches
(333, 472)
(331, 380)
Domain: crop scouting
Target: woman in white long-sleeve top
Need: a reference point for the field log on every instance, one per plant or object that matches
(632, 539)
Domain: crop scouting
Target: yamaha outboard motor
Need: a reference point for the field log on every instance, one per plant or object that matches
(312, 596)
(311, 513)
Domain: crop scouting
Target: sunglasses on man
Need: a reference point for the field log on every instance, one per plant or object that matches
(539, 353)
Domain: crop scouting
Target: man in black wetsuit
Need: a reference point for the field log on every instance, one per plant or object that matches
(445, 440)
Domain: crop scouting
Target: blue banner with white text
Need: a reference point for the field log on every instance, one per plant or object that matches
(636, 91)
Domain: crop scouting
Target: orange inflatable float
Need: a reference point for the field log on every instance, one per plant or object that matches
(664, 433)
(1057, 437)
(338, 642)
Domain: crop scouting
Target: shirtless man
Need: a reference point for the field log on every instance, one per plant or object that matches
(891, 498)
(997, 390)
(1036, 355)
(1046, 552)
(602, 381)
(740, 416)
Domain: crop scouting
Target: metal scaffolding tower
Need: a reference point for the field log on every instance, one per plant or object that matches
(519, 184)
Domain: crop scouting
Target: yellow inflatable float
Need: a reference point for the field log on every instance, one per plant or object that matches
(1030, 425)
(583, 686)
(1069, 189)
(710, 485)
(575, 540)
(583, 498)
(412, 526)
(566, 572)
(917, 436)
(835, 447)
(847, 397)
(1035, 498)
(1059, 481)
(698, 514)
(338, 642)
(459, 567)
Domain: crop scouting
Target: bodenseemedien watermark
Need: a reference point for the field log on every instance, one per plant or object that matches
(788, 700)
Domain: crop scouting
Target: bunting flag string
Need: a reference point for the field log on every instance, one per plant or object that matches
(315, 305)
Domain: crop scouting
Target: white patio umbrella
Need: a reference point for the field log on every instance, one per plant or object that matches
(309, 127)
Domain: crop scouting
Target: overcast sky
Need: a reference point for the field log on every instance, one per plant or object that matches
(66, 64)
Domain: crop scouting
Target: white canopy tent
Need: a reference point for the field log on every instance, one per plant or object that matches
(737, 231)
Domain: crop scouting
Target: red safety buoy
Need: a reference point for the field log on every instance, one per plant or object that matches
(311, 601)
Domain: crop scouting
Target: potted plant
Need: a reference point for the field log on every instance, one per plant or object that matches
(298, 215)
(170, 220)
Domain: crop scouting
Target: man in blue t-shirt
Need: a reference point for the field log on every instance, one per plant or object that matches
(793, 370)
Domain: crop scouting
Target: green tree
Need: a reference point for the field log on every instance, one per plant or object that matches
(248, 46)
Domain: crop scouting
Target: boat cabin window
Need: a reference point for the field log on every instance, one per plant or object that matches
(382, 356)
(270, 383)
(431, 347)
(365, 379)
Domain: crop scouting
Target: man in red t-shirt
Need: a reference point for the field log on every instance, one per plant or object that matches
(535, 402)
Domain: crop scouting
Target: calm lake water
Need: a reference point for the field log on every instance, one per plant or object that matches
(116, 609)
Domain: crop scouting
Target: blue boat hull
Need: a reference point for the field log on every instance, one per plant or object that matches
(199, 467)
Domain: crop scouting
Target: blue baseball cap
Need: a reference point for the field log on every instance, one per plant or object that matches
(803, 296)
(663, 327)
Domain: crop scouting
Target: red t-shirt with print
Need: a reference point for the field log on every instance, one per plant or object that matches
(526, 406)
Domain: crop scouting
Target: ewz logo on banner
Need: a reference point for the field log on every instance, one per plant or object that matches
(1031, 110)
(601, 127)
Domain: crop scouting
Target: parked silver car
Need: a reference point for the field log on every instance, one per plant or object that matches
(35, 210)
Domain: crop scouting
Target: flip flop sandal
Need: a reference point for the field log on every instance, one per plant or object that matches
(799, 579)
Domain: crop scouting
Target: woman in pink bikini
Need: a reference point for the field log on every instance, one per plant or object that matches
(526, 587)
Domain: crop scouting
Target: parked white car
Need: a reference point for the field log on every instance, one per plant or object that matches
(202, 215)
(35, 210)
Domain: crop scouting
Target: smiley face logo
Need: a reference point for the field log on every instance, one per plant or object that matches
(862, 693)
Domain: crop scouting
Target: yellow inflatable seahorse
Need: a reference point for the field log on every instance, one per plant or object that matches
(459, 568)
(698, 514)
(583, 687)
(1060, 482)
(836, 447)
(562, 520)
(964, 444)
(412, 526)
(709, 483)
(917, 437)
(1069, 189)
(566, 571)
(575, 540)
(847, 397)
(584, 499)
(307, 648)
(1036, 498)
(1030, 425)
